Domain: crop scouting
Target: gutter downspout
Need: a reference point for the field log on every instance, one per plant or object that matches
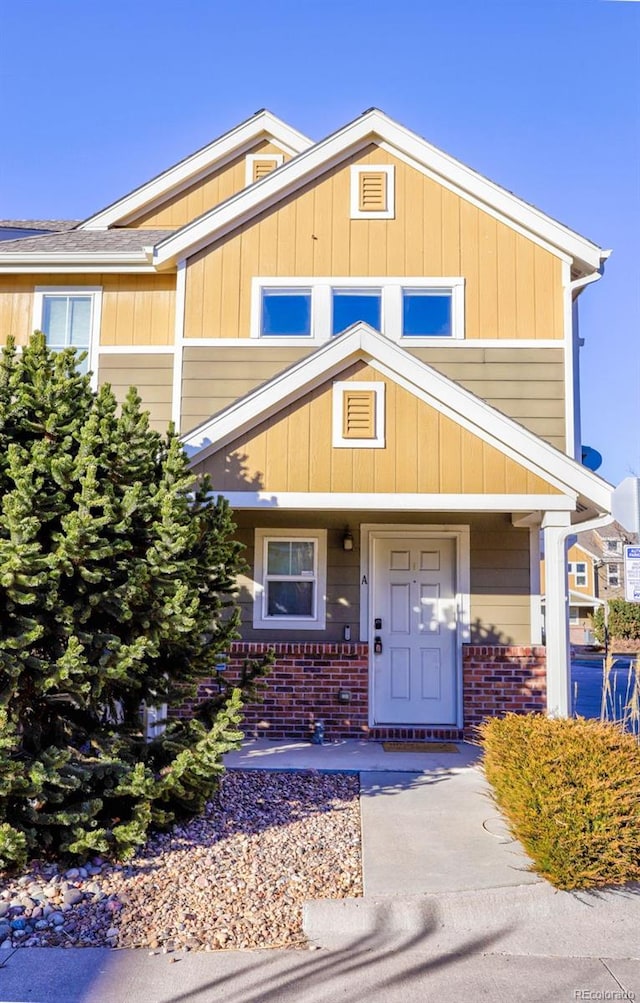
(573, 343)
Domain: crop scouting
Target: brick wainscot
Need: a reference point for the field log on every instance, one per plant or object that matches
(329, 682)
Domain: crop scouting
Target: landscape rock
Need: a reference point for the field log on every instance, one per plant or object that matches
(233, 878)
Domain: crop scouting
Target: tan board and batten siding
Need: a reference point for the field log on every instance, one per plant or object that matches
(150, 373)
(499, 559)
(202, 195)
(136, 309)
(526, 384)
(513, 286)
(424, 452)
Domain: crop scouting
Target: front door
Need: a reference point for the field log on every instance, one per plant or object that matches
(413, 631)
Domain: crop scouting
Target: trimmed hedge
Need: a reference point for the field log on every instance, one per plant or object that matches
(570, 790)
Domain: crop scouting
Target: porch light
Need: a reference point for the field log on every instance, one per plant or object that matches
(347, 540)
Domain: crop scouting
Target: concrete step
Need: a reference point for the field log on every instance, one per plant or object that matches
(525, 919)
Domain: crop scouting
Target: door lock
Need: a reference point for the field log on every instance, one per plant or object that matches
(377, 623)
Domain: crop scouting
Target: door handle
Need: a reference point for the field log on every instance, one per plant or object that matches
(377, 645)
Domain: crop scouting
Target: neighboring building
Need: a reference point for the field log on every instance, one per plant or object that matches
(595, 574)
(372, 349)
(608, 543)
(582, 592)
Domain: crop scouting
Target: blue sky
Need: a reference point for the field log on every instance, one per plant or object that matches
(542, 96)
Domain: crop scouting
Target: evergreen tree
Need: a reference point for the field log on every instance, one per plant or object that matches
(117, 572)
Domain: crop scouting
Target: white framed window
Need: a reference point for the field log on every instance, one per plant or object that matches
(358, 414)
(613, 546)
(613, 575)
(290, 579)
(420, 310)
(574, 614)
(373, 194)
(69, 316)
(579, 572)
(258, 165)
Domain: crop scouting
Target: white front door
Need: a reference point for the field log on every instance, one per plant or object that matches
(413, 637)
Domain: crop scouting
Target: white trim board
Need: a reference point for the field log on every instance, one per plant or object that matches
(38, 263)
(446, 396)
(136, 349)
(186, 171)
(389, 502)
(435, 342)
(337, 148)
(178, 334)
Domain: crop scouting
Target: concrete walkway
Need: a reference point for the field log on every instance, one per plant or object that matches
(450, 912)
(364, 971)
(350, 756)
(440, 866)
(435, 831)
(428, 822)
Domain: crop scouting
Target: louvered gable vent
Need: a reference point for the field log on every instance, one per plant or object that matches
(263, 167)
(373, 191)
(359, 414)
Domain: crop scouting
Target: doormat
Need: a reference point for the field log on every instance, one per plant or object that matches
(420, 747)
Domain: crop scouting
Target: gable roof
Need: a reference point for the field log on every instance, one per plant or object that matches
(198, 164)
(374, 125)
(447, 397)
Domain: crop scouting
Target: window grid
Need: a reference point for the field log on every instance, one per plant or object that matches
(290, 579)
(416, 310)
(69, 316)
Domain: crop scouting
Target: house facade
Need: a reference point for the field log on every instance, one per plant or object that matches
(373, 351)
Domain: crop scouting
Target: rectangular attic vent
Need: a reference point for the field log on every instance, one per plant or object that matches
(373, 191)
(359, 414)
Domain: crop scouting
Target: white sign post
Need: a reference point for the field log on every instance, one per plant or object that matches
(632, 573)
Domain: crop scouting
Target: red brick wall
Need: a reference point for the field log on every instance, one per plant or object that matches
(306, 678)
(303, 687)
(499, 679)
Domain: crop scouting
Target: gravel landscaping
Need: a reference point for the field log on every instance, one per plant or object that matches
(235, 877)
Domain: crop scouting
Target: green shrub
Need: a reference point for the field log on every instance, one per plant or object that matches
(570, 790)
(117, 591)
(624, 621)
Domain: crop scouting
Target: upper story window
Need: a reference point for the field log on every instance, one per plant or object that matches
(579, 572)
(373, 192)
(348, 306)
(427, 313)
(286, 313)
(69, 317)
(417, 309)
(613, 575)
(258, 165)
(613, 546)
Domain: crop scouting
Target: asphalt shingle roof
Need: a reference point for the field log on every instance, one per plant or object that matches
(78, 241)
(53, 225)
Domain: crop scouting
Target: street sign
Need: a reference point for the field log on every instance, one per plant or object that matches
(632, 573)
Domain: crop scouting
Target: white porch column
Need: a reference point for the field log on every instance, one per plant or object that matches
(555, 527)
